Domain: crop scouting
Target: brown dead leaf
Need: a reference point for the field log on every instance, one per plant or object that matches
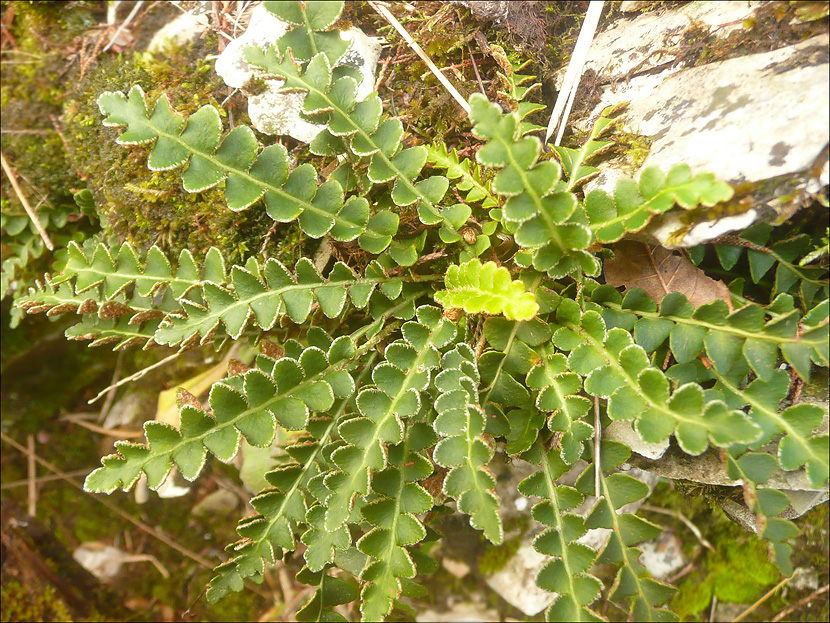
(659, 271)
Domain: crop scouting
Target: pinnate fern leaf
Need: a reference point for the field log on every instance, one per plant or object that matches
(249, 173)
(575, 161)
(382, 410)
(460, 422)
(466, 174)
(476, 288)
(633, 205)
(568, 573)
(359, 130)
(549, 220)
(617, 369)
(275, 393)
(727, 338)
(632, 583)
(197, 305)
(395, 527)
(310, 34)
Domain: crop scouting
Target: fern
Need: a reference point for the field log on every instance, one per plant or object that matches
(487, 288)
(460, 422)
(550, 222)
(469, 175)
(809, 282)
(379, 395)
(357, 128)
(196, 306)
(727, 338)
(634, 205)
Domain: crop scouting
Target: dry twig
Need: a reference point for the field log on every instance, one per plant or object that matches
(384, 12)
(13, 180)
(136, 522)
(801, 602)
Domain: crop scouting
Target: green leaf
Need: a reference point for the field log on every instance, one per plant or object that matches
(487, 288)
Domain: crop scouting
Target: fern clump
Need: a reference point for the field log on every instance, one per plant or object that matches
(397, 393)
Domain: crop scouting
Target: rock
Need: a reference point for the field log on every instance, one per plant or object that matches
(646, 41)
(624, 433)
(663, 556)
(102, 561)
(457, 568)
(804, 579)
(263, 30)
(516, 581)
(463, 611)
(182, 30)
(271, 111)
(759, 119)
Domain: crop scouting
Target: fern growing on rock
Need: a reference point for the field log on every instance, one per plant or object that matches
(526, 356)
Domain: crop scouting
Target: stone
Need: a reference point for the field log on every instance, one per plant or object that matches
(758, 120)
(185, 28)
(102, 561)
(276, 113)
(663, 556)
(463, 611)
(458, 568)
(624, 433)
(516, 581)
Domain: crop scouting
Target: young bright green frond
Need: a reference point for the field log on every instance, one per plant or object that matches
(488, 289)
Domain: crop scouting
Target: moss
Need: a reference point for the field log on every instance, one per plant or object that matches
(147, 207)
(22, 604)
(496, 557)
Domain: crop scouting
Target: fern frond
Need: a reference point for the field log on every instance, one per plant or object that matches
(809, 281)
(800, 446)
(487, 288)
(460, 422)
(310, 34)
(634, 205)
(249, 174)
(515, 92)
(568, 574)
(395, 396)
(331, 591)
(468, 174)
(617, 369)
(617, 490)
(755, 469)
(283, 509)
(276, 392)
(358, 129)
(549, 221)
(196, 304)
(726, 337)
(575, 161)
(395, 527)
(559, 395)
